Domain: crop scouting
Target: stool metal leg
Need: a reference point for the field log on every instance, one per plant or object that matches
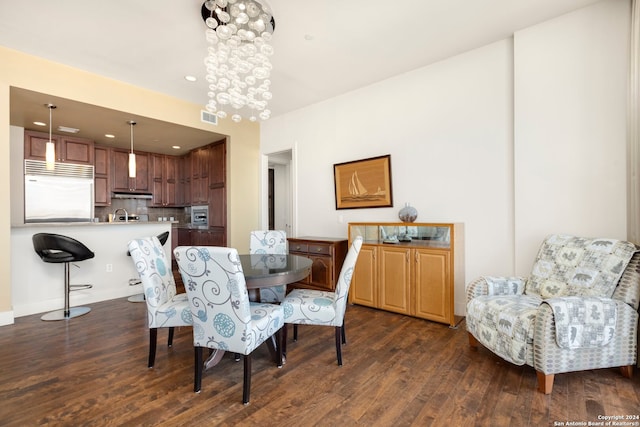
(67, 312)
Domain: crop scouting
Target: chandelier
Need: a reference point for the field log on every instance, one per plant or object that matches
(238, 67)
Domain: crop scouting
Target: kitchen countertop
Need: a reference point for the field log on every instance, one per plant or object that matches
(93, 224)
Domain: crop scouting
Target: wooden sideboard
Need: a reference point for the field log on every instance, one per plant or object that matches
(327, 255)
(409, 268)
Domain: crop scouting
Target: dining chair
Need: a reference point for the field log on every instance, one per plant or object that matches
(162, 238)
(165, 308)
(266, 243)
(313, 307)
(223, 317)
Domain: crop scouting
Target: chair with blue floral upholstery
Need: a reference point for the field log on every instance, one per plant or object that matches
(223, 317)
(576, 311)
(313, 307)
(267, 243)
(165, 308)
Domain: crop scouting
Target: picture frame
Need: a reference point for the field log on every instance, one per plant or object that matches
(363, 183)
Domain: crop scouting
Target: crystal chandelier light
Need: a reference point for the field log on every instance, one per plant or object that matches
(238, 66)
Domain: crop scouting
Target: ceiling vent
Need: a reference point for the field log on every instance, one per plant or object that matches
(207, 117)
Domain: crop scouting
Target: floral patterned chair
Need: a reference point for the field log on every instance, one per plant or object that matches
(312, 307)
(576, 311)
(165, 308)
(269, 242)
(223, 317)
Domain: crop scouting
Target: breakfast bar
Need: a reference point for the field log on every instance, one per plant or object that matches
(38, 287)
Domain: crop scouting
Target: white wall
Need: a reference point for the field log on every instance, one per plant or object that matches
(570, 129)
(449, 128)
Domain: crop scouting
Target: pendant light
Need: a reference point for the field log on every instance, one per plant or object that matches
(132, 156)
(50, 147)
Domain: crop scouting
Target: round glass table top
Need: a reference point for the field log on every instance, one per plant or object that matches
(266, 270)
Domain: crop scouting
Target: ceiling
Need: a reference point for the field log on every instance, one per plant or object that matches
(322, 49)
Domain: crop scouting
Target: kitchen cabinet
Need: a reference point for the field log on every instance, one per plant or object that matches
(68, 149)
(183, 193)
(217, 192)
(120, 180)
(164, 180)
(102, 180)
(200, 176)
(327, 255)
(196, 237)
(409, 268)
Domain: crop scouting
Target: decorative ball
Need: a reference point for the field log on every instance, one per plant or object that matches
(408, 213)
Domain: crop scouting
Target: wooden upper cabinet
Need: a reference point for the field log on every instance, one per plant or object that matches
(200, 176)
(217, 163)
(164, 179)
(183, 192)
(120, 172)
(68, 149)
(102, 181)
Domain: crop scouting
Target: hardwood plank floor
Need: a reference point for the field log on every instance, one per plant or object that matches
(397, 371)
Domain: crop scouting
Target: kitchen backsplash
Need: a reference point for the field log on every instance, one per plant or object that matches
(139, 207)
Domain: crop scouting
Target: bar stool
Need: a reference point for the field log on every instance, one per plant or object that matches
(56, 248)
(162, 237)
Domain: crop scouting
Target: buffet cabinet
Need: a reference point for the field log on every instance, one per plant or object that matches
(409, 268)
(327, 255)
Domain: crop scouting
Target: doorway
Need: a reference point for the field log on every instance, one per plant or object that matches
(279, 200)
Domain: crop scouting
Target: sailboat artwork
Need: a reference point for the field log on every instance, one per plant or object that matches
(357, 191)
(363, 183)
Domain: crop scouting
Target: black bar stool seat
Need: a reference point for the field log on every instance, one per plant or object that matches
(58, 249)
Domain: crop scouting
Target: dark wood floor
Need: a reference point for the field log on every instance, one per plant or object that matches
(397, 371)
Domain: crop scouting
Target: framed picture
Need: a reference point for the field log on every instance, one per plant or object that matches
(363, 183)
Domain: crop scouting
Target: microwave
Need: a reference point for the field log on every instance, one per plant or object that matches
(200, 216)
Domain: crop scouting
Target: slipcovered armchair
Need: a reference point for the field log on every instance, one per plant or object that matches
(576, 311)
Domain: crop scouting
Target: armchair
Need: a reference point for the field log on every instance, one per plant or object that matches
(576, 311)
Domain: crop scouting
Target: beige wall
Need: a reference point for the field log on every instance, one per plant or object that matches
(36, 74)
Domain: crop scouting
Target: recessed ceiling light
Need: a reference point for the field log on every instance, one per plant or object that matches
(176, 147)
(108, 135)
(308, 37)
(68, 129)
(190, 78)
(39, 124)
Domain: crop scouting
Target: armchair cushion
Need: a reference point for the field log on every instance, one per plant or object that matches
(583, 322)
(505, 285)
(505, 324)
(577, 266)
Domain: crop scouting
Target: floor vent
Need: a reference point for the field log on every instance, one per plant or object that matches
(207, 117)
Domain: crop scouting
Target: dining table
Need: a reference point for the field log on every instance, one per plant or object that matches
(266, 271)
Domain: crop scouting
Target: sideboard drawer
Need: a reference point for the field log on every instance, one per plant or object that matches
(299, 247)
(319, 249)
